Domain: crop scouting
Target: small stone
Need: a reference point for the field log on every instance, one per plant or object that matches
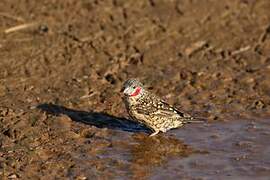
(81, 178)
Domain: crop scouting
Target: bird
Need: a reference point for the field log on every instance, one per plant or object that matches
(148, 109)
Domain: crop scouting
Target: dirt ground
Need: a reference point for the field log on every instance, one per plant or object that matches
(61, 114)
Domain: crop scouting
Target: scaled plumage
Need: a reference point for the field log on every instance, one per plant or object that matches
(147, 108)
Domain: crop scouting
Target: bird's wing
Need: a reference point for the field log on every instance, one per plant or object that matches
(170, 111)
(162, 109)
(145, 109)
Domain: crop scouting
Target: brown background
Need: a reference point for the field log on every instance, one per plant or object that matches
(60, 78)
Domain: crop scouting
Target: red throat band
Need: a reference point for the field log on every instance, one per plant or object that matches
(136, 92)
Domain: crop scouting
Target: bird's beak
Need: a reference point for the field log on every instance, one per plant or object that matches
(123, 91)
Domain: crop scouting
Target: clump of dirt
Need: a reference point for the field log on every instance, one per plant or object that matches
(63, 63)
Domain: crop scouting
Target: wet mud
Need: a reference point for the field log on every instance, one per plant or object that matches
(62, 64)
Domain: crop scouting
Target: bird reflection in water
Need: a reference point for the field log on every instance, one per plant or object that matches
(148, 153)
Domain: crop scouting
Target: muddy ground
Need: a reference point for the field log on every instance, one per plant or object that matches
(61, 115)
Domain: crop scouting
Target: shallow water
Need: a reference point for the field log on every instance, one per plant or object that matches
(222, 150)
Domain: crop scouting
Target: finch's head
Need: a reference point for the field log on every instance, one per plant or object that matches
(132, 88)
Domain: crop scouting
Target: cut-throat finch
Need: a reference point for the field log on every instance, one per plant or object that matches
(150, 110)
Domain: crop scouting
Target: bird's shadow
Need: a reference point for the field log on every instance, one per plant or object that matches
(97, 119)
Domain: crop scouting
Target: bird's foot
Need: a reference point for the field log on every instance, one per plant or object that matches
(154, 133)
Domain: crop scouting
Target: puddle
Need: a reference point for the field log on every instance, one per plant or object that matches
(237, 149)
(223, 150)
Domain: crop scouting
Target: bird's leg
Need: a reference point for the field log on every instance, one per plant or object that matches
(154, 133)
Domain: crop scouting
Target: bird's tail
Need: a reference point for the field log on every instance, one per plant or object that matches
(195, 119)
